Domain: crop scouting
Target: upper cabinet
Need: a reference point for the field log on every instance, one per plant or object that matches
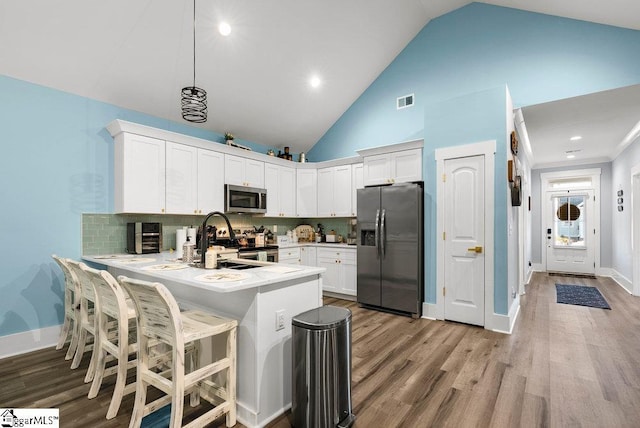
(397, 163)
(357, 182)
(139, 174)
(210, 181)
(243, 171)
(280, 182)
(306, 193)
(334, 191)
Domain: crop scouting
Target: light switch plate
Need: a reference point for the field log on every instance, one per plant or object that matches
(280, 319)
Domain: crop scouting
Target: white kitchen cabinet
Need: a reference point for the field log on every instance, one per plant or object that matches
(396, 167)
(357, 182)
(280, 182)
(139, 174)
(194, 180)
(334, 191)
(308, 256)
(289, 255)
(243, 171)
(306, 193)
(210, 181)
(181, 179)
(341, 273)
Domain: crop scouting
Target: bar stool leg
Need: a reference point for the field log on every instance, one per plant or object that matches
(231, 378)
(177, 400)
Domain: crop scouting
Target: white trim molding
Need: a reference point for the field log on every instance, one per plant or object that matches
(28, 341)
(620, 279)
(635, 229)
(504, 323)
(488, 150)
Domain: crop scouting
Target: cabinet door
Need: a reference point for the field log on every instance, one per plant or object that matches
(308, 256)
(181, 179)
(331, 277)
(377, 170)
(406, 166)
(289, 255)
(306, 193)
(271, 183)
(139, 174)
(349, 276)
(254, 173)
(287, 188)
(210, 181)
(325, 192)
(357, 182)
(234, 170)
(342, 191)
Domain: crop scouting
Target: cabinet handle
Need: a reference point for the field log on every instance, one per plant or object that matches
(162, 210)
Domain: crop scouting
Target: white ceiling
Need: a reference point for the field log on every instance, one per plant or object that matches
(137, 54)
(607, 121)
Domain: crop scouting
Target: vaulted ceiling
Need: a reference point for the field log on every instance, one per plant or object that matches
(139, 54)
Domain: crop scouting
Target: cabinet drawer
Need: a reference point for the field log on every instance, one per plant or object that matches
(289, 253)
(337, 254)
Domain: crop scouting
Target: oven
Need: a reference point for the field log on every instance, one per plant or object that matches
(252, 253)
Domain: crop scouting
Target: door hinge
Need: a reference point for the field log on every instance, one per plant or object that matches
(444, 236)
(444, 177)
(444, 291)
(594, 231)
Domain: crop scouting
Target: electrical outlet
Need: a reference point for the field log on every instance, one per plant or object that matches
(275, 228)
(280, 319)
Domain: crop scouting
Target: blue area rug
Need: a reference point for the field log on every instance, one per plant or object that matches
(581, 295)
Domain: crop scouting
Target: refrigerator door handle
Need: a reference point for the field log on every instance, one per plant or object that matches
(383, 237)
(376, 233)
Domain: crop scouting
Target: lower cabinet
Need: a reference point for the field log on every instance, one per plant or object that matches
(340, 264)
(289, 255)
(308, 256)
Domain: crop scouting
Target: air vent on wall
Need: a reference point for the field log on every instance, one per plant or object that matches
(405, 101)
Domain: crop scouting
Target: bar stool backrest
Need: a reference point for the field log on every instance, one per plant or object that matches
(157, 311)
(111, 297)
(71, 285)
(86, 286)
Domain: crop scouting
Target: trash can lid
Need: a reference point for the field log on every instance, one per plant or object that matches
(322, 318)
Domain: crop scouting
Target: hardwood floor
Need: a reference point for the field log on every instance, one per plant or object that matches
(564, 365)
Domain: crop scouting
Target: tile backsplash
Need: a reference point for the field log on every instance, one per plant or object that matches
(106, 233)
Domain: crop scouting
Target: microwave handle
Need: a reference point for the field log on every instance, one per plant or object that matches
(263, 201)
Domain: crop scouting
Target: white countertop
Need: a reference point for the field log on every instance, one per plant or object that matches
(320, 245)
(143, 264)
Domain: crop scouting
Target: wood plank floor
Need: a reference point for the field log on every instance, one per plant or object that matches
(564, 365)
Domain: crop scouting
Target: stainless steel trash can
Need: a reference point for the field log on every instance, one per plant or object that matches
(321, 360)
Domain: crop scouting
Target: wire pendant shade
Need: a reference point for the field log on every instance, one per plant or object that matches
(194, 99)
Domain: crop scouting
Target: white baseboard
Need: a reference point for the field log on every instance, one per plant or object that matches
(430, 311)
(27, 341)
(528, 275)
(504, 323)
(622, 280)
(537, 267)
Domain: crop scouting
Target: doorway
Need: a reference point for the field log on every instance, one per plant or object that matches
(465, 222)
(571, 221)
(635, 228)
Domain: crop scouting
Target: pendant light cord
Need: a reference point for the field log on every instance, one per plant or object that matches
(194, 43)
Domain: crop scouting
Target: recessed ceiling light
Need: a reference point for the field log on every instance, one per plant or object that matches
(314, 81)
(575, 138)
(224, 28)
(571, 156)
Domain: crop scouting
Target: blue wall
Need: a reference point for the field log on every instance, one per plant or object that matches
(56, 163)
(540, 57)
(456, 57)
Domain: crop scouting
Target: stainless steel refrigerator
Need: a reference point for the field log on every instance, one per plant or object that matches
(390, 248)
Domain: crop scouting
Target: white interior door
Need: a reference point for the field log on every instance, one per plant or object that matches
(464, 200)
(570, 231)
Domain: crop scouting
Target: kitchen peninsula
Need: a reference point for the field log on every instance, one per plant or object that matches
(254, 297)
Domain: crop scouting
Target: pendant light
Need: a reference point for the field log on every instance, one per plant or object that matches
(194, 99)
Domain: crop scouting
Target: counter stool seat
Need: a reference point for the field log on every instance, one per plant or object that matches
(159, 317)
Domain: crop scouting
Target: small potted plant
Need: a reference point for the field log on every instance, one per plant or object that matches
(228, 137)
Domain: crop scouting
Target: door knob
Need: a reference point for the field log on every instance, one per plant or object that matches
(477, 250)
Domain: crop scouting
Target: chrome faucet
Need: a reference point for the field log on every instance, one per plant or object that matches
(203, 237)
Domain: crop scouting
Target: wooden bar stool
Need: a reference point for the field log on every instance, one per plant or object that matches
(87, 324)
(70, 328)
(158, 317)
(115, 324)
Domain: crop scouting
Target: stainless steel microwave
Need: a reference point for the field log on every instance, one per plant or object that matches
(240, 199)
